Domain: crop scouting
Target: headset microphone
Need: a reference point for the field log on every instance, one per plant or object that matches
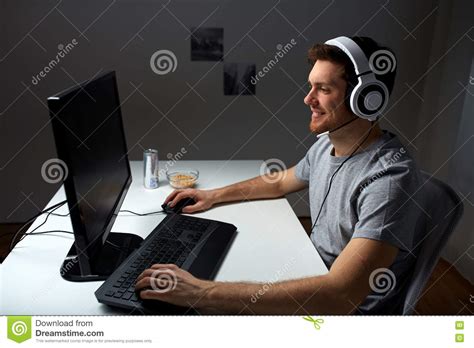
(335, 129)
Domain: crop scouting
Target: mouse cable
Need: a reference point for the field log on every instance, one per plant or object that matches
(142, 214)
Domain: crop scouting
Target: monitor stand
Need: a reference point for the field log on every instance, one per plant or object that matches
(115, 250)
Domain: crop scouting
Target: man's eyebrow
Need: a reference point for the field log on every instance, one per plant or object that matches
(327, 83)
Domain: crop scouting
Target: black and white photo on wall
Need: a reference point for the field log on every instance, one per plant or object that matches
(207, 44)
(238, 77)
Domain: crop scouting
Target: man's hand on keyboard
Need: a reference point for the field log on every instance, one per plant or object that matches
(205, 199)
(169, 283)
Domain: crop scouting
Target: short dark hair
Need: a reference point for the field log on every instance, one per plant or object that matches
(337, 56)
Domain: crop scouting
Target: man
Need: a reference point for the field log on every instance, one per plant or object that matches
(360, 179)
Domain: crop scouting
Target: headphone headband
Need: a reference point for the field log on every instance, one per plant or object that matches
(353, 51)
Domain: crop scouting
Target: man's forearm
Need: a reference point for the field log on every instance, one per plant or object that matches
(257, 188)
(301, 296)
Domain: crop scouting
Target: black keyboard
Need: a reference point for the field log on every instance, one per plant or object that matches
(195, 244)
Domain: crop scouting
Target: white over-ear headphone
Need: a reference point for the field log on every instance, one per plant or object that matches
(369, 97)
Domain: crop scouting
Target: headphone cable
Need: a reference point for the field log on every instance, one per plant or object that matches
(335, 172)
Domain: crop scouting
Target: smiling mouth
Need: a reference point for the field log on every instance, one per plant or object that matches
(317, 113)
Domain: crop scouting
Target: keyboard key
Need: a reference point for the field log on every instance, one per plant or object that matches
(128, 295)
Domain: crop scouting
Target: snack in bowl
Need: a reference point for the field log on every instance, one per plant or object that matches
(182, 178)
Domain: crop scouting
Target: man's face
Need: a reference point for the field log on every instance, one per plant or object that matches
(326, 97)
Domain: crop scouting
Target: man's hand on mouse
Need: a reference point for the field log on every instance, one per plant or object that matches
(169, 283)
(204, 199)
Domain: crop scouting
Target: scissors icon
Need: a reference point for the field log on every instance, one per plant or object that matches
(316, 322)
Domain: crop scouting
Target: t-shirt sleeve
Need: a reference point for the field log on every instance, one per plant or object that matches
(386, 211)
(303, 168)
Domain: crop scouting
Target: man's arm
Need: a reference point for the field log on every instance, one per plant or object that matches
(265, 186)
(340, 291)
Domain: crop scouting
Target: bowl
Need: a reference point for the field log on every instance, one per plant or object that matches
(182, 178)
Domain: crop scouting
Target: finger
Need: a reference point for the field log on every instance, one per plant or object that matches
(152, 271)
(156, 284)
(146, 273)
(144, 283)
(187, 193)
(150, 282)
(193, 208)
(163, 265)
(179, 197)
(171, 196)
(152, 295)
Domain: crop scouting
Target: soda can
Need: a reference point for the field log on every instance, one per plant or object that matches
(150, 169)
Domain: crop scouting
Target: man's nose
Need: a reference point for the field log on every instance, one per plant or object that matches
(310, 99)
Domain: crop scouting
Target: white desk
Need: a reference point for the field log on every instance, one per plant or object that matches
(270, 245)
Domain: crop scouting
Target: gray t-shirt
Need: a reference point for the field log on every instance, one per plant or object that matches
(369, 198)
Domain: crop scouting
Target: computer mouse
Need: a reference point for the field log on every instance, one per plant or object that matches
(178, 208)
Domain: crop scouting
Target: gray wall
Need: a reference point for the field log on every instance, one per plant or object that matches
(446, 140)
(236, 126)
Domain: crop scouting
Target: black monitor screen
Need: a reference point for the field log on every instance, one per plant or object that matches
(88, 131)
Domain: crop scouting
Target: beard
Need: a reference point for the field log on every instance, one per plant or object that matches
(320, 126)
(330, 120)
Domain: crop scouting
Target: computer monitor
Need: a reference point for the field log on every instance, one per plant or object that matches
(89, 136)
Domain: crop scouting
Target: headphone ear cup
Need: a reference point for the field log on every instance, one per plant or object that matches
(370, 99)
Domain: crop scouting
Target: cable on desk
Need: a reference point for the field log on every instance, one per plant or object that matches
(61, 215)
(68, 232)
(121, 211)
(50, 210)
(22, 237)
(142, 214)
(50, 231)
